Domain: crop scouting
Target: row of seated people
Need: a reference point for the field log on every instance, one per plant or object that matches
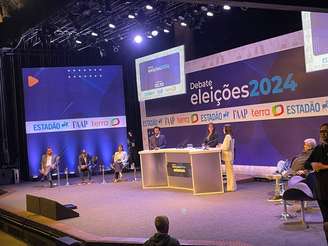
(119, 162)
(87, 165)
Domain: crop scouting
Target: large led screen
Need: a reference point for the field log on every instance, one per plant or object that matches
(73, 108)
(161, 74)
(315, 30)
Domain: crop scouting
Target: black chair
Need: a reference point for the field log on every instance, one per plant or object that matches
(300, 190)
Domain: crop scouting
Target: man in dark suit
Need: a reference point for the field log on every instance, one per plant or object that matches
(157, 140)
(84, 166)
(48, 164)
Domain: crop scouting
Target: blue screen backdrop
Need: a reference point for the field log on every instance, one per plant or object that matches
(72, 108)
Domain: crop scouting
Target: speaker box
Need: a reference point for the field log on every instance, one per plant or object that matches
(49, 208)
(33, 204)
(6, 176)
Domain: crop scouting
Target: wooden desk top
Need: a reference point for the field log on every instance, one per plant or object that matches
(190, 151)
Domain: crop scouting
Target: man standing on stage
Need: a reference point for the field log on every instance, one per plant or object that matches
(48, 163)
(157, 141)
(318, 161)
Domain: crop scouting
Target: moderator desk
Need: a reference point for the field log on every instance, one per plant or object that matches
(191, 169)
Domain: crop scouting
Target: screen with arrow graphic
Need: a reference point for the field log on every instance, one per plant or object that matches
(73, 108)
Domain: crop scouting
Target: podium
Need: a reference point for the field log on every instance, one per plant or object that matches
(196, 170)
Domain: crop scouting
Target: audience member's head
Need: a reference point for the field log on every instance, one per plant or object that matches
(309, 144)
(162, 224)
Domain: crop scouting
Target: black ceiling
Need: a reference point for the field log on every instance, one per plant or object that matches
(58, 23)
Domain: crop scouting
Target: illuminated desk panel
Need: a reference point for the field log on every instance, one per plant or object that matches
(191, 169)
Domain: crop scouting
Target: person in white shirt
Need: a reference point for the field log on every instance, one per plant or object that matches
(120, 160)
(227, 148)
(48, 164)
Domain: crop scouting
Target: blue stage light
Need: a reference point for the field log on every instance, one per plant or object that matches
(138, 39)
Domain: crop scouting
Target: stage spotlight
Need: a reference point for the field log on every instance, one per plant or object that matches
(131, 16)
(138, 39)
(78, 41)
(149, 7)
(204, 8)
(154, 33)
(210, 13)
(166, 30)
(184, 24)
(111, 25)
(149, 36)
(226, 7)
(94, 34)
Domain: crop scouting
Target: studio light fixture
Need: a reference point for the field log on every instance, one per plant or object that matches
(184, 24)
(131, 16)
(149, 7)
(138, 39)
(210, 13)
(116, 22)
(154, 33)
(226, 7)
(204, 8)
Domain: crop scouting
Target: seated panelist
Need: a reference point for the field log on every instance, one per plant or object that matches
(84, 166)
(48, 164)
(157, 140)
(212, 138)
(120, 161)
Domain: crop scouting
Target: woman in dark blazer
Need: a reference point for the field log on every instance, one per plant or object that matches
(212, 138)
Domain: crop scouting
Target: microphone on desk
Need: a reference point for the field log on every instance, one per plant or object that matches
(206, 143)
(182, 144)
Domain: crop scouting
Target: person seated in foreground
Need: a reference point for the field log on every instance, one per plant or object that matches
(298, 162)
(157, 140)
(161, 237)
(120, 161)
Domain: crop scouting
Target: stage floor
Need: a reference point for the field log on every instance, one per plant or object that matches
(125, 210)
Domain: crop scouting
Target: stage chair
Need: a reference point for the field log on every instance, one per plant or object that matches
(298, 191)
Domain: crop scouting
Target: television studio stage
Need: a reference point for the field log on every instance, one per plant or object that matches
(124, 212)
(123, 84)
